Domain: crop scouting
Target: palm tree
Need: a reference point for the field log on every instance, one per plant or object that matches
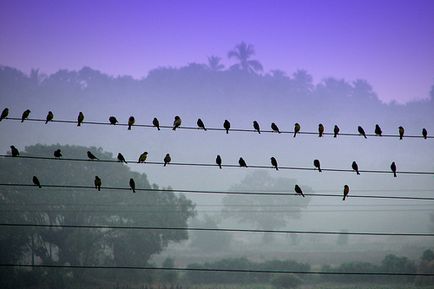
(243, 52)
(214, 63)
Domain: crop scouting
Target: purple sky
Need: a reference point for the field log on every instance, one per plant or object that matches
(389, 43)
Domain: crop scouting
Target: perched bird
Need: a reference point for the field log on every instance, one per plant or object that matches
(227, 125)
(80, 118)
(91, 156)
(57, 154)
(143, 157)
(378, 130)
(200, 124)
(36, 182)
(296, 128)
(14, 151)
(256, 126)
(167, 159)
(298, 190)
(361, 131)
(133, 185)
(176, 122)
(317, 165)
(401, 132)
(424, 133)
(50, 117)
(346, 191)
(242, 163)
(4, 114)
(393, 168)
(156, 123)
(97, 183)
(218, 161)
(336, 131)
(320, 129)
(121, 158)
(25, 115)
(274, 163)
(131, 122)
(355, 167)
(113, 120)
(274, 127)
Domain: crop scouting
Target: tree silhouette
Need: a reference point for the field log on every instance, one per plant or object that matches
(243, 52)
(214, 63)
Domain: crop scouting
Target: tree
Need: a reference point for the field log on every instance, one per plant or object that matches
(243, 52)
(214, 63)
(209, 241)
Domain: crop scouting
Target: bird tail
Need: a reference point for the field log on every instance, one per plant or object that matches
(344, 198)
(46, 121)
(158, 127)
(39, 186)
(78, 124)
(134, 190)
(165, 164)
(22, 120)
(125, 162)
(302, 195)
(129, 127)
(174, 128)
(227, 131)
(99, 188)
(220, 166)
(364, 136)
(295, 134)
(394, 174)
(319, 170)
(335, 135)
(259, 131)
(277, 168)
(358, 172)
(204, 128)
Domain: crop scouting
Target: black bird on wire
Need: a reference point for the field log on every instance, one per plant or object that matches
(361, 131)
(167, 159)
(256, 126)
(355, 167)
(98, 183)
(80, 118)
(274, 127)
(378, 130)
(297, 128)
(133, 185)
(25, 115)
(320, 129)
(57, 154)
(200, 124)
(242, 163)
(274, 163)
(156, 123)
(176, 122)
(14, 151)
(91, 156)
(113, 120)
(4, 114)
(131, 121)
(393, 168)
(401, 132)
(121, 158)
(298, 190)
(227, 125)
(143, 157)
(424, 133)
(50, 117)
(36, 182)
(335, 131)
(346, 191)
(317, 165)
(218, 161)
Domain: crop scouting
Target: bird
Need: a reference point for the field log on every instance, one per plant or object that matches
(401, 132)
(58, 153)
(167, 159)
(97, 183)
(133, 185)
(25, 115)
(121, 158)
(361, 131)
(296, 128)
(317, 165)
(346, 191)
(242, 163)
(50, 117)
(14, 151)
(393, 168)
(274, 127)
(227, 125)
(131, 122)
(36, 182)
(91, 156)
(218, 161)
(156, 123)
(200, 124)
(113, 120)
(336, 131)
(320, 129)
(355, 167)
(274, 163)
(80, 118)
(4, 114)
(256, 126)
(298, 190)
(143, 157)
(378, 130)
(424, 133)
(176, 122)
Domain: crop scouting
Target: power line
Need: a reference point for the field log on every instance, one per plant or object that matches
(223, 192)
(213, 128)
(216, 230)
(215, 165)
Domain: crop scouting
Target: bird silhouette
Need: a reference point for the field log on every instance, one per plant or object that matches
(200, 124)
(274, 127)
(242, 163)
(36, 182)
(25, 115)
(218, 161)
(143, 157)
(133, 185)
(14, 151)
(4, 114)
(346, 191)
(167, 159)
(256, 126)
(121, 158)
(91, 156)
(296, 128)
(361, 131)
(98, 183)
(424, 133)
(227, 125)
(80, 118)
(113, 120)
(274, 163)
(58, 154)
(378, 130)
(320, 130)
(393, 168)
(298, 190)
(176, 122)
(50, 117)
(131, 121)
(317, 165)
(401, 132)
(355, 167)
(336, 131)
(156, 123)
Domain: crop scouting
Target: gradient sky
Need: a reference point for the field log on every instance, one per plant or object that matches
(389, 43)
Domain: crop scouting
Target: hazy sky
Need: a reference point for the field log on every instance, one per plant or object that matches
(389, 43)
